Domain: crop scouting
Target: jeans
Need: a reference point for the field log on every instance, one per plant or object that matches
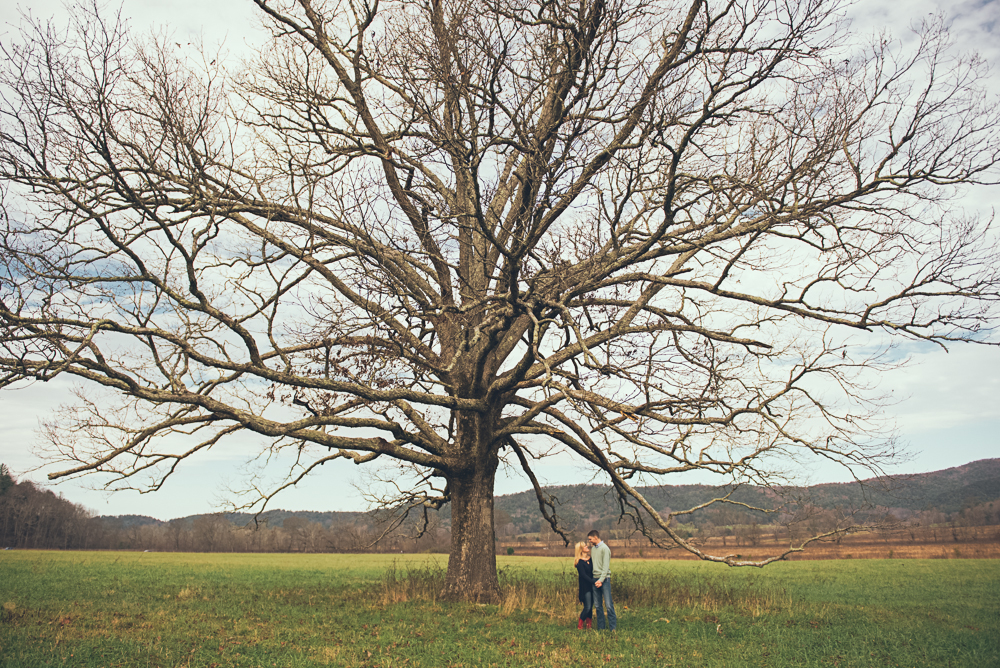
(588, 604)
(603, 595)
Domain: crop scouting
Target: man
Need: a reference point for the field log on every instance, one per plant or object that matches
(600, 556)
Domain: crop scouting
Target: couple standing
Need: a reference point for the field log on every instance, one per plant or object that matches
(593, 563)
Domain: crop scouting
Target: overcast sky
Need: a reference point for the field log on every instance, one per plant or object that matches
(947, 412)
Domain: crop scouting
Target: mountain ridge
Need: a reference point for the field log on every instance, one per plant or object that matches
(947, 491)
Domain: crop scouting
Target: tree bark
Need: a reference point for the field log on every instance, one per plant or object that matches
(472, 563)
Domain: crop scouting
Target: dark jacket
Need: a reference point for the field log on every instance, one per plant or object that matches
(586, 570)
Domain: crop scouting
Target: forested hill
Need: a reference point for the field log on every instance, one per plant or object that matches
(272, 518)
(947, 491)
(35, 517)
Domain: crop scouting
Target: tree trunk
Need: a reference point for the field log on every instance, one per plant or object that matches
(472, 563)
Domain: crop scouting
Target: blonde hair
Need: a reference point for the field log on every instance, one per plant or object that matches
(578, 552)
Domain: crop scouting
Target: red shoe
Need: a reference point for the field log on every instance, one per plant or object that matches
(579, 624)
(588, 623)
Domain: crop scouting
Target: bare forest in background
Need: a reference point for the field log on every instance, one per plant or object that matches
(32, 517)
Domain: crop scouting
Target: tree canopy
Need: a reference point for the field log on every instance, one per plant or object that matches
(659, 236)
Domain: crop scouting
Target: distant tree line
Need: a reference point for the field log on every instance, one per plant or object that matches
(33, 517)
(223, 532)
(736, 527)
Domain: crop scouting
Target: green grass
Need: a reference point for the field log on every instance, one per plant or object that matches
(131, 609)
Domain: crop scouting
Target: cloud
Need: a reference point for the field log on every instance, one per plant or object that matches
(943, 390)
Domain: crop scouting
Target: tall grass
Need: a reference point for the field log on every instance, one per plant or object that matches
(701, 591)
(544, 591)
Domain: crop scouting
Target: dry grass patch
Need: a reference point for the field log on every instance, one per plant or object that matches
(552, 593)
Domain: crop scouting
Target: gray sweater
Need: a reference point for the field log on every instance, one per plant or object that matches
(600, 555)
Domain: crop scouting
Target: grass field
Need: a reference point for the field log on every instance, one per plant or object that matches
(213, 611)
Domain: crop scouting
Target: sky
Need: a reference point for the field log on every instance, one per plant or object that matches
(946, 410)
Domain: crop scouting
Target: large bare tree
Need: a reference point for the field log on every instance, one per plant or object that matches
(659, 236)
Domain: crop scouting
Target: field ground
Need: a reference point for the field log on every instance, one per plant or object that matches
(214, 611)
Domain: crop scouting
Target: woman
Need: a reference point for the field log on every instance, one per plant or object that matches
(581, 559)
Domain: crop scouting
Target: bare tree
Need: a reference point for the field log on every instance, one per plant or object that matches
(661, 236)
(32, 517)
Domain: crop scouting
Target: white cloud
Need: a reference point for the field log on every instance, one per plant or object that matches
(946, 390)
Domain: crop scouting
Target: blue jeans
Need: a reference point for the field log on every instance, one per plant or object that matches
(603, 598)
(588, 604)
